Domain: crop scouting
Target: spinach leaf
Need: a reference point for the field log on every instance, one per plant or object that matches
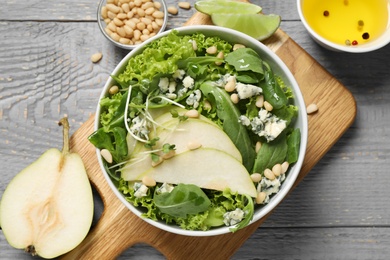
(271, 154)
(249, 210)
(288, 113)
(229, 114)
(272, 91)
(184, 199)
(245, 59)
(248, 77)
(293, 142)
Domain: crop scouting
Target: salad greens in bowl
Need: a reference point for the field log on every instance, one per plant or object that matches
(201, 130)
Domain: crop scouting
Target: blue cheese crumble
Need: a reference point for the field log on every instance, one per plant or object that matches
(141, 190)
(245, 91)
(231, 218)
(270, 187)
(165, 187)
(265, 124)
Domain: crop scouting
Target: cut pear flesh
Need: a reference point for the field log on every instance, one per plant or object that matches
(47, 208)
(207, 168)
(195, 130)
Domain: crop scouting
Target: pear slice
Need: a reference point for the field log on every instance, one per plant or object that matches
(195, 130)
(180, 133)
(207, 168)
(47, 208)
(167, 116)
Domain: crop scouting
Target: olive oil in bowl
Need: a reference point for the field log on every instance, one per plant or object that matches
(347, 22)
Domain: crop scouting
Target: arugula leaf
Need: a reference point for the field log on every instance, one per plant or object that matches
(245, 59)
(184, 199)
(271, 154)
(229, 114)
(100, 139)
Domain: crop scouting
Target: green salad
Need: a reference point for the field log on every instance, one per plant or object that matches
(199, 132)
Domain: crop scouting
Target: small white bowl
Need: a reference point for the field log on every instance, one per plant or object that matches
(278, 67)
(373, 45)
(102, 24)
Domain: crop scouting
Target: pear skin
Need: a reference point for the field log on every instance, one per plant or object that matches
(47, 208)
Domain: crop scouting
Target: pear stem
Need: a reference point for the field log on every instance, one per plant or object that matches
(65, 123)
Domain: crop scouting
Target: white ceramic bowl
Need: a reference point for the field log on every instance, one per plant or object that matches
(373, 45)
(102, 25)
(279, 68)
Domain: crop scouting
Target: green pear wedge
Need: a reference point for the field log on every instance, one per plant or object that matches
(47, 208)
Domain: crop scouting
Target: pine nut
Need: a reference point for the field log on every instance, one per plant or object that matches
(230, 85)
(168, 155)
(238, 46)
(96, 57)
(159, 22)
(115, 36)
(112, 26)
(258, 146)
(184, 5)
(148, 181)
(192, 113)
(220, 55)
(193, 145)
(137, 2)
(147, 6)
(173, 10)
(113, 8)
(121, 16)
(312, 108)
(126, 8)
(211, 50)
(261, 197)
(106, 155)
(113, 90)
(277, 169)
(111, 15)
(158, 14)
(149, 11)
(157, 5)
(144, 37)
(194, 45)
(234, 98)
(269, 174)
(285, 166)
(117, 22)
(121, 32)
(103, 12)
(141, 12)
(124, 40)
(260, 101)
(268, 106)
(256, 177)
(141, 26)
(137, 34)
(160, 161)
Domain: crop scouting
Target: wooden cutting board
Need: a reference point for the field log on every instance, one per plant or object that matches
(118, 228)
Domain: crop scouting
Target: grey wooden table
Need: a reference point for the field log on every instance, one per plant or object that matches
(340, 211)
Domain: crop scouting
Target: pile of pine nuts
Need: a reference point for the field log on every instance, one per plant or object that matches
(132, 22)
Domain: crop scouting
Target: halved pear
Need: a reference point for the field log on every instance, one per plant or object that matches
(207, 168)
(47, 208)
